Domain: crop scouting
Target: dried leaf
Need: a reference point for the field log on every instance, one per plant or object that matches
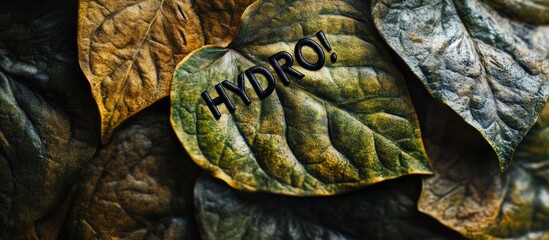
(384, 211)
(493, 71)
(139, 186)
(129, 49)
(345, 126)
(49, 125)
(470, 195)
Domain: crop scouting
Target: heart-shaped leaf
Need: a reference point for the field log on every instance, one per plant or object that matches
(49, 125)
(470, 195)
(494, 72)
(139, 186)
(384, 211)
(341, 127)
(129, 49)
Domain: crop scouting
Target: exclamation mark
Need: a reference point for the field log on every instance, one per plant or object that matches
(320, 35)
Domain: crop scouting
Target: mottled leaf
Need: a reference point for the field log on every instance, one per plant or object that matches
(493, 71)
(129, 49)
(347, 125)
(49, 125)
(384, 211)
(139, 186)
(470, 195)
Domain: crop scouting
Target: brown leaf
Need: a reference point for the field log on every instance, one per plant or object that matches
(470, 195)
(465, 192)
(139, 186)
(129, 49)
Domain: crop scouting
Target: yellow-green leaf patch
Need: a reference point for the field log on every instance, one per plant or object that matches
(337, 125)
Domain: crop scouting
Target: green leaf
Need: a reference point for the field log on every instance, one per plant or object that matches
(492, 71)
(49, 125)
(384, 211)
(139, 186)
(345, 126)
(469, 194)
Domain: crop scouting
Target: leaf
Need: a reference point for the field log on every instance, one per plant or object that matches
(384, 211)
(49, 125)
(345, 126)
(528, 11)
(139, 186)
(469, 194)
(129, 49)
(494, 72)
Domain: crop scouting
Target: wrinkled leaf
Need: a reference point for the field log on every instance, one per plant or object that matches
(469, 194)
(493, 71)
(139, 186)
(347, 125)
(384, 211)
(129, 49)
(49, 125)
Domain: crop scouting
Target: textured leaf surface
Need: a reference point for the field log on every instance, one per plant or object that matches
(139, 186)
(347, 125)
(493, 71)
(469, 194)
(129, 49)
(49, 125)
(384, 211)
(528, 11)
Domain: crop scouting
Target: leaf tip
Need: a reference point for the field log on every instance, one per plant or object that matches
(503, 165)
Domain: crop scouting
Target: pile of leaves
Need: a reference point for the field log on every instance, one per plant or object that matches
(430, 123)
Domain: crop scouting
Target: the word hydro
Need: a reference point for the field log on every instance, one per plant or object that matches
(281, 70)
